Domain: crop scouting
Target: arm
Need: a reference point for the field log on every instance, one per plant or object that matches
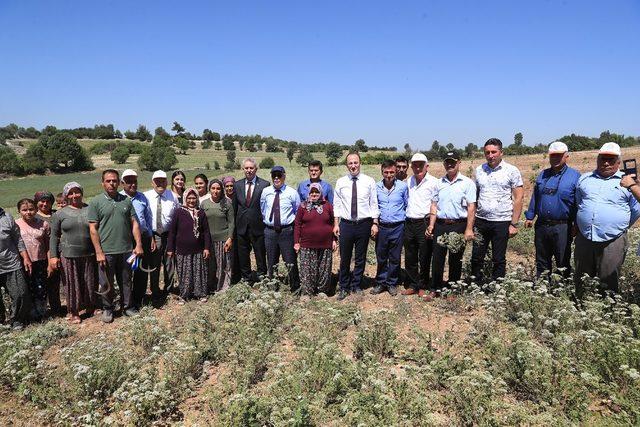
(530, 214)
(337, 212)
(204, 224)
(471, 218)
(95, 239)
(329, 193)
(331, 221)
(135, 229)
(517, 194)
(17, 238)
(375, 209)
(432, 218)
(54, 239)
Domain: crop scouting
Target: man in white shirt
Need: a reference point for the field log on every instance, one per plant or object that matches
(356, 218)
(500, 193)
(163, 205)
(417, 248)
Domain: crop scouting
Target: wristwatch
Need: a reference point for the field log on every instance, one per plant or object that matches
(516, 225)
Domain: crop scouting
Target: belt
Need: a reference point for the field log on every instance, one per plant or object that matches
(282, 227)
(391, 224)
(552, 221)
(160, 235)
(356, 222)
(414, 220)
(450, 221)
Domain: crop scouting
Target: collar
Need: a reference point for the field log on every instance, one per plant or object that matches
(486, 166)
(382, 186)
(107, 196)
(354, 176)
(416, 184)
(253, 181)
(284, 186)
(457, 178)
(619, 174)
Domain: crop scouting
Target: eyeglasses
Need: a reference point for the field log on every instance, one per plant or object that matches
(276, 175)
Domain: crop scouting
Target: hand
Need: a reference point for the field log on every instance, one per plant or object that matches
(628, 180)
(49, 270)
(169, 254)
(228, 244)
(512, 230)
(574, 230)
(54, 263)
(528, 223)
(154, 246)
(296, 247)
(27, 264)
(205, 254)
(336, 230)
(429, 232)
(374, 231)
(334, 246)
(102, 260)
(138, 251)
(469, 235)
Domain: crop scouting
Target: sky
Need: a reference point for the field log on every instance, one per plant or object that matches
(390, 72)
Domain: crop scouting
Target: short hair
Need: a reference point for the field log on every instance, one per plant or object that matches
(387, 164)
(252, 160)
(59, 196)
(315, 163)
(352, 153)
(402, 159)
(108, 171)
(494, 141)
(25, 201)
(202, 177)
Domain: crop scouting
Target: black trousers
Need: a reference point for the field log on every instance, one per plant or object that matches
(553, 241)
(117, 266)
(159, 260)
(281, 243)
(440, 253)
(246, 242)
(353, 238)
(140, 278)
(417, 254)
(495, 233)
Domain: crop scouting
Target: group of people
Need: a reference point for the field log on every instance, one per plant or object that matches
(202, 237)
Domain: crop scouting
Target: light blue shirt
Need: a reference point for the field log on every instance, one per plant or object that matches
(392, 202)
(453, 197)
(327, 190)
(289, 202)
(143, 212)
(605, 209)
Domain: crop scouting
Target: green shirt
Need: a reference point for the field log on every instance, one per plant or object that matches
(70, 233)
(221, 222)
(113, 215)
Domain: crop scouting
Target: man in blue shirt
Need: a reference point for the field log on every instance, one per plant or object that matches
(279, 204)
(553, 203)
(392, 203)
(453, 210)
(606, 210)
(315, 172)
(143, 213)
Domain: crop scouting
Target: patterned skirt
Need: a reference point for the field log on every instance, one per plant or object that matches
(80, 280)
(192, 275)
(315, 270)
(220, 267)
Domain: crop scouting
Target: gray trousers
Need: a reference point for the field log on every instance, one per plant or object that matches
(600, 259)
(16, 286)
(281, 243)
(116, 266)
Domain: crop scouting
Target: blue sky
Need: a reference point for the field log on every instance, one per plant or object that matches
(388, 72)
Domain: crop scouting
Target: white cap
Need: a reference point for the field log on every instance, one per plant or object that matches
(610, 148)
(558, 147)
(419, 157)
(159, 174)
(128, 172)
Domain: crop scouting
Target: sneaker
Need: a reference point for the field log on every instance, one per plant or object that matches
(17, 326)
(131, 312)
(107, 316)
(393, 290)
(378, 289)
(342, 294)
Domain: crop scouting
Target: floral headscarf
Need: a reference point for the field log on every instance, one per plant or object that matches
(70, 186)
(314, 205)
(192, 211)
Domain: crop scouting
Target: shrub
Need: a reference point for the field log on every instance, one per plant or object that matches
(157, 156)
(267, 163)
(120, 154)
(376, 337)
(58, 152)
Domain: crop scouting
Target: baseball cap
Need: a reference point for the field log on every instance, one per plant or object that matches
(557, 147)
(610, 148)
(128, 172)
(452, 155)
(277, 169)
(419, 157)
(159, 174)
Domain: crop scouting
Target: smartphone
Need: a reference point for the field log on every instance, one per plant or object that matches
(629, 167)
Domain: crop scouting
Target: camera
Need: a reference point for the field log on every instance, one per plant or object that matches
(629, 167)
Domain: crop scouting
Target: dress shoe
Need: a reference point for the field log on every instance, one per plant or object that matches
(422, 293)
(107, 316)
(393, 290)
(131, 312)
(378, 289)
(342, 294)
(430, 296)
(409, 291)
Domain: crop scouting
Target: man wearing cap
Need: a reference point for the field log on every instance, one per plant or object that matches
(113, 227)
(249, 225)
(143, 213)
(500, 192)
(606, 210)
(356, 219)
(162, 203)
(315, 172)
(553, 204)
(453, 210)
(392, 202)
(418, 249)
(279, 204)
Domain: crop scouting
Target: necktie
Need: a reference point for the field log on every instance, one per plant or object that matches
(275, 212)
(354, 199)
(159, 229)
(249, 194)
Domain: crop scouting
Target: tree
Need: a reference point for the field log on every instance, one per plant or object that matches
(209, 135)
(361, 146)
(250, 146)
(143, 134)
(267, 163)
(182, 144)
(10, 162)
(217, 146)
(232, 163)
(333, 153)
(228, 145)
(470, 149)
(304, 157)
(161, 136)
(206, 144)
(157, 156)
(291, 151)
(58, 152)
(407, 148)
(177, 128)
(517, 139)
(271, 146)
(120, 154)
(129, 134)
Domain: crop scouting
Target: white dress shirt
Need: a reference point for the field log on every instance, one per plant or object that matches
(420, 196)
(168, 205)
(367, 197)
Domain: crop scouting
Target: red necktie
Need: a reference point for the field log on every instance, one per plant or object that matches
(246, 203)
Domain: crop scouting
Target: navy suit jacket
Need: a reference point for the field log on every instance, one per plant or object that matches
(249, 218)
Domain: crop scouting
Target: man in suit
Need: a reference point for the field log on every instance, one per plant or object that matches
(249, 225)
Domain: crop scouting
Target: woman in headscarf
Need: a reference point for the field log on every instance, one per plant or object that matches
(228, 182)
(191, 248)
(178, 180)
(71, 250)
(220, 215)
(44, 203)
(314, 242)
